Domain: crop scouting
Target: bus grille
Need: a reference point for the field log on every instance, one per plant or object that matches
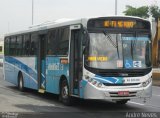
(123, 74)
(125, 84)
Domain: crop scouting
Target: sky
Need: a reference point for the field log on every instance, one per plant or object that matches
(16, 15)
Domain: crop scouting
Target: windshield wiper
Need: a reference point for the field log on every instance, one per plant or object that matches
(108, 37)
(133, 45)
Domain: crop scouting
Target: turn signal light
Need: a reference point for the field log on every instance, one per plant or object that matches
(64, 61)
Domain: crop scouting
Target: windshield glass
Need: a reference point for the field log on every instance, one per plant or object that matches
(112, 51)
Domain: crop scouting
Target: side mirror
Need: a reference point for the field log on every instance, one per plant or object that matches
(86, 37)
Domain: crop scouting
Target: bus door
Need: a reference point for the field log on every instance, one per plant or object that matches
(75, 59)
(41, 64)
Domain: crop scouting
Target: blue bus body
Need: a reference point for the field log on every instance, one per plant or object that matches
(28, 66)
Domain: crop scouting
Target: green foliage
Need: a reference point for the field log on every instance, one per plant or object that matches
(155, 11)
(143, 11)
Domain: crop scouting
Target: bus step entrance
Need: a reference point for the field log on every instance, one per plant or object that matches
(41, 91)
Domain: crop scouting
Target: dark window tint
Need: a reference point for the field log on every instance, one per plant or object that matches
(26, 44)
(13, 43)
(34, 44)
(52, 42)
(19, 45)
(6, 45)
(63, 41)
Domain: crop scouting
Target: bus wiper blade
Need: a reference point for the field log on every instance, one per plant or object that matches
(111, 41)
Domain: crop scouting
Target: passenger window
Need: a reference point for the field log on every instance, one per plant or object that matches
(19, 45)
(34, 44)
(6, 43)
(26, 44)
(13, 44)
(63, 41)
(52, 42)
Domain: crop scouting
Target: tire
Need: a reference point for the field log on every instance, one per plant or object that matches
(65, 98)
(20, 83)
(121, 102)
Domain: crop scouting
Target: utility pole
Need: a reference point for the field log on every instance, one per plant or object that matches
(32, 12)
(115, 7)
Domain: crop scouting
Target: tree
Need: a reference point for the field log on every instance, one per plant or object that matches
(143, 11)
(155, 11)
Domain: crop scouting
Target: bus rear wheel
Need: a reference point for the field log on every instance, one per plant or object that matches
(64, 93)
(20, 83)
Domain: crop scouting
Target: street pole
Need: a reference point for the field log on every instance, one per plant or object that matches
(32, 12)
(115, 7)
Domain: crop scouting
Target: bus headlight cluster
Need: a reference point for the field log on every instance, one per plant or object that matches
(94, 82)
(144, 84)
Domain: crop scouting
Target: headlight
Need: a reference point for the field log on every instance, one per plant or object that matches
(99, 85)
(144, 84)
(90, 80)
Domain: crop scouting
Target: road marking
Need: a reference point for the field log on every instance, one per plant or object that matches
(136, 103)
(147, 105)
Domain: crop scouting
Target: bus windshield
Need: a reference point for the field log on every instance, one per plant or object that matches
(115, 51)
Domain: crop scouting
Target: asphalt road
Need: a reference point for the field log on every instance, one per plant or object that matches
(30, 103)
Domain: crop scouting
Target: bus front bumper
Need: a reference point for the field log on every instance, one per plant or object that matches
(111, 93)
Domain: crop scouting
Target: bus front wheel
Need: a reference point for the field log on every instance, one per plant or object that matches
(64, 93)
(20, 83)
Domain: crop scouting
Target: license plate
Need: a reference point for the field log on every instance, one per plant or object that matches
(123, 93)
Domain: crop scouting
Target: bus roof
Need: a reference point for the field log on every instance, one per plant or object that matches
(64, 22)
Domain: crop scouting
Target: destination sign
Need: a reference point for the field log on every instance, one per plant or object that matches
(118, 23)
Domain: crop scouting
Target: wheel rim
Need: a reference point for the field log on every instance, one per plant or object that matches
(64, 91)
(20, 83)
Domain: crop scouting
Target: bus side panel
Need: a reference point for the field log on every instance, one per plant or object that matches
(22, 64)
(54, 70)
(10, 71)
(29, 70)
(33, 73)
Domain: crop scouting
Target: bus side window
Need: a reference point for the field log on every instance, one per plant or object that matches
(6, 43)
(52, 42)
(34, 42)
(63, 41)
(19, 45)
(12, 48)
(26, 44)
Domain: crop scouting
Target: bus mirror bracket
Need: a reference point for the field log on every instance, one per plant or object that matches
(86, 37)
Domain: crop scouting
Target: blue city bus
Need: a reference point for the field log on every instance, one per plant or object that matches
(104, 58)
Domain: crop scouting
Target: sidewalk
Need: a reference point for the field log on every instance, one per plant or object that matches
(156, 76)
